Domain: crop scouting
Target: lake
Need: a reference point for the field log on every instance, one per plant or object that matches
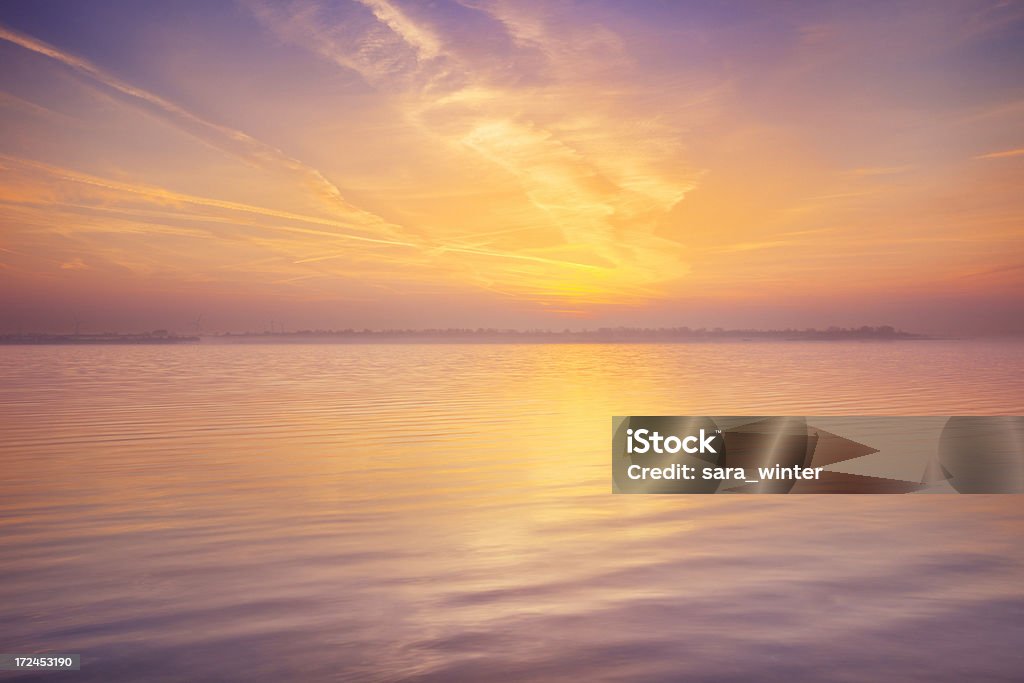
(442, 512)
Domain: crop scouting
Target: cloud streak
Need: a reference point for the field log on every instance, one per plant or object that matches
(224, 137)
(1005, 154)
(598, 187)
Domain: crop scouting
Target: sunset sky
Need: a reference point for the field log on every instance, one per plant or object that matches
(511, 164)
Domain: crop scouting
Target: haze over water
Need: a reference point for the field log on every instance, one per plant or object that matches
(443, 512)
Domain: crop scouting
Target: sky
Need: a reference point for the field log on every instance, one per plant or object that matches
(515, 164)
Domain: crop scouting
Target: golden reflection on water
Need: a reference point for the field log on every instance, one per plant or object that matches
(443, 512)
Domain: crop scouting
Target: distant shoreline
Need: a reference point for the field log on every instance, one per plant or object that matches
(478, 336)
(92, 339)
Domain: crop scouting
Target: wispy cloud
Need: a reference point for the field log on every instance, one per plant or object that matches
(374, 39)
(424, 41)
(229, 139)
(305, 230)
(165, 196)
(596, 182)
(1005, 154)
(870, 171)
(74, 264)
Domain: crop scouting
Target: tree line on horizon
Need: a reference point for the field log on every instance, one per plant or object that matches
(621, 333)
(865, 331)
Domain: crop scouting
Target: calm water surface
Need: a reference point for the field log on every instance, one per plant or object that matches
(442, 512)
